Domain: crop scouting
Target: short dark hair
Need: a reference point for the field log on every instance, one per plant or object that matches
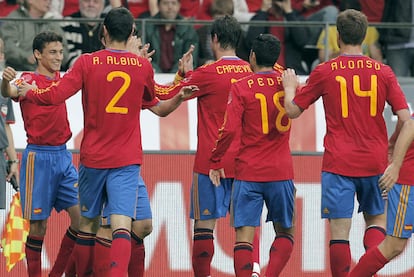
(43, 38)
(119, 23)
(266, 47)
(352, 26)
(228, 31)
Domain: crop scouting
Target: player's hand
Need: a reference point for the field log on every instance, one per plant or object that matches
(185, 64)
(9, 74)
(289, 79)
(188, 91)
(215, 175)
(134, 44)
(24, 87)
(144, 52)
(388, 179)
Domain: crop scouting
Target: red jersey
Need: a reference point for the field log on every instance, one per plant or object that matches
(44, 125)
(354, 90)
(214, 82)
(255, 107)
(114, 85)
(189, 8)
(406, 172)
(138, 7)
(70, 7)
(6, 8)
(373, 9)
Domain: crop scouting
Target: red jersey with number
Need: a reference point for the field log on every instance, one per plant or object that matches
(214, 81)
(255, 107)
(44, 125)
(406, 172)
(354, 90)
(114, 85)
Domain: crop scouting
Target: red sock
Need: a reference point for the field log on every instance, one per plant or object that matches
(120, 252)
(203, 251)
(102, 257)
(65, 251)
(340, 257)
(370, 263)
(373, 236)
(243, 260)
(70, 270)
(83, 254)
(136, 267)
(256, 250)
(280, 252)
(34, 255)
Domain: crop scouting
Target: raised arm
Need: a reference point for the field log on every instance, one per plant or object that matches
(165, 107)
(6, 89)
(290, 84)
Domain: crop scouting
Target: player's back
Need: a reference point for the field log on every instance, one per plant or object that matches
(354, 89)
(264, 153)
(114, 85)
(214, 81)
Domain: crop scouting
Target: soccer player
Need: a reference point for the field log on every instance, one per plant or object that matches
(354, 90)
(115, 85)
(400, 207)
(264, 166)
(214, 81)
(48, 177)
(141, 228)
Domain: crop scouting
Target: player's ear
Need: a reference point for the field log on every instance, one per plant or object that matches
(37, 54)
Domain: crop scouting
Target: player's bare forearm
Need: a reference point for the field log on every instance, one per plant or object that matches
(165, 107)
(290, 83)
(185, 64)
(403, 142)
(6, 89)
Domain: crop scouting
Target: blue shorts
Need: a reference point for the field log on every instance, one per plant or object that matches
(338, 194)
(48, 179)
(207, 200)
(248, 197)
(143, 210)
(117, 187)
(400, 211)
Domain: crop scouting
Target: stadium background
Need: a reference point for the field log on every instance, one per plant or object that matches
(169, 145)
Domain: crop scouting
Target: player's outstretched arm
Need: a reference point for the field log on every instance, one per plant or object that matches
(6, 89)
(404, 140)
(290, 83)
(165, 107)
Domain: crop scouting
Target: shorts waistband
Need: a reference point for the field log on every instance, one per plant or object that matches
(46, 147)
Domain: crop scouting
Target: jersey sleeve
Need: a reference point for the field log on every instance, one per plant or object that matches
(165, 92)
(309, 93)
(69, 85)
(395, 96)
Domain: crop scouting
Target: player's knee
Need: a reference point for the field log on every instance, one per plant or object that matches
(38, 228)
(142, 228)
